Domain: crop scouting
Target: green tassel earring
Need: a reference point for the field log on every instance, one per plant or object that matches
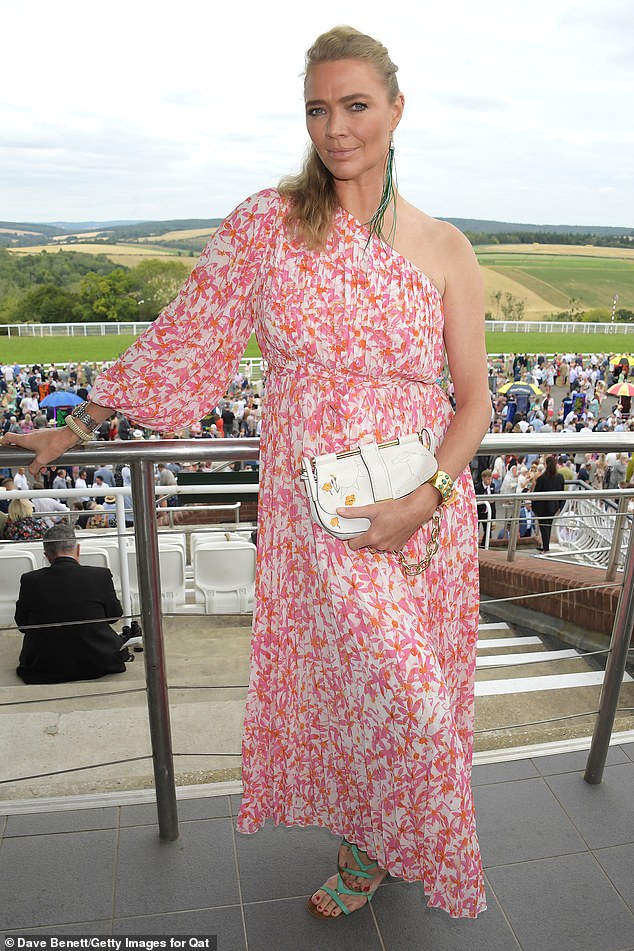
(388, 197)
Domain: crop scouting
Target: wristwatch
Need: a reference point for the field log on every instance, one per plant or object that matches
(81, 414)
(445, 485)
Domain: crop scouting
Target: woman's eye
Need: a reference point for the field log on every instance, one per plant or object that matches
(359, 106)
(315, 111)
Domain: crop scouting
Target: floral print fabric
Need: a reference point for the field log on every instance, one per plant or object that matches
(359, 715)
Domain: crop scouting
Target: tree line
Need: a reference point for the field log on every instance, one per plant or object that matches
(72, 287)
(550, 237)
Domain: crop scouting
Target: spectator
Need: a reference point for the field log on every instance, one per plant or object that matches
(20, 480)
(22, 524)
(60, 595)
(41, 504)
(61, 480)
(549, 481)
(106, 474)
(527, 520)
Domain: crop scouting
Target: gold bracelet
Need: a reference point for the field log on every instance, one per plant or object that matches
(77, 430)
(445, 485)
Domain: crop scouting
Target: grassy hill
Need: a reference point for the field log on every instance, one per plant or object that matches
(547, 278)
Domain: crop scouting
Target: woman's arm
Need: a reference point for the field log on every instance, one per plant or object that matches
(394, 522)
(50, 444)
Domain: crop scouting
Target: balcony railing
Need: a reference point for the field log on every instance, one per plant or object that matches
(141, 457)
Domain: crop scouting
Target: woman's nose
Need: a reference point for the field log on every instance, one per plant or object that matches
(336, 124)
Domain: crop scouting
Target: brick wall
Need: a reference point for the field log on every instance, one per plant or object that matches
(593, 610)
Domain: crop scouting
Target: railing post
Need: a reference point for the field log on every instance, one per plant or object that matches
(147, 557)
(614, 670)
(615, 550)
(514, 530)
(123, 558)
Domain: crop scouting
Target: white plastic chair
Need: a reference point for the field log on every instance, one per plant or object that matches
(224, 572)
(97, 557)
(172, 570)
(35, 548)
(107, 543)
(13, 564)
(173, 540)
(212, 537)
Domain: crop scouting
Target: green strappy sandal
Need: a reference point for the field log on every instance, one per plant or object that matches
(335, 894)
(362, 872)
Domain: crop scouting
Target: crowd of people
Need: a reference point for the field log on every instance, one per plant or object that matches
(569, 395)
(23, 391)
(573, 398)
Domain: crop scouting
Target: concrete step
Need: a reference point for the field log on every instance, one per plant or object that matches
(499, 642)
(489, 688)
(543, 656)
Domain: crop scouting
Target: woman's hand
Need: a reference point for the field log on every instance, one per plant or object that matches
(47, 444)
(393, 521)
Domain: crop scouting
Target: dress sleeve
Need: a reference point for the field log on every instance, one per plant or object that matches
(181, 365)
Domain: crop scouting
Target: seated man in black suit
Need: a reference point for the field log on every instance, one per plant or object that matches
(484, 486)
(65, 592)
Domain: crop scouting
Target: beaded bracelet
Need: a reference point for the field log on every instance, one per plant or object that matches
(77, 430)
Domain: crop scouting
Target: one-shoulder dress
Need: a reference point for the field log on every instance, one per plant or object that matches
(359, 714)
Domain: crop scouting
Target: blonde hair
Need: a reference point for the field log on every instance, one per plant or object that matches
(20, 508)
(312, 194)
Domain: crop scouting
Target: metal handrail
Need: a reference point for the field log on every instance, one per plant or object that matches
(141, 456)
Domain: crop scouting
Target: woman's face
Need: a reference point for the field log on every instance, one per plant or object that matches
(349, 118)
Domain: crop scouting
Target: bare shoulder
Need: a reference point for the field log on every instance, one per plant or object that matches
(437, 247)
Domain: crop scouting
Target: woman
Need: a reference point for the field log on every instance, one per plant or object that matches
(504, 510)
(22, 525)
(360, 708)
(545, 509)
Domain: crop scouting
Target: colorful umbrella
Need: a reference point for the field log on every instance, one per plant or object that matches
(620, 359)
(622, 389)
(518, 388)
(61, 398)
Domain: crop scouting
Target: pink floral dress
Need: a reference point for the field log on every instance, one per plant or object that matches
(359, 716)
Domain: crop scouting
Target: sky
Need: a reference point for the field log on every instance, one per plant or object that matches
(514, 111)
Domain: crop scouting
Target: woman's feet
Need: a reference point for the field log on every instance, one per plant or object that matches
(328, 903)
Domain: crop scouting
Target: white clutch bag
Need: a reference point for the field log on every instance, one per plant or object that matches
(371, 473)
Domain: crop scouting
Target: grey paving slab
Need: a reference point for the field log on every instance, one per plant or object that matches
(522, 820)
(71, 874)
(628, 749)
(565, 903)
(282, 862)
(287, 925)
(603, 814)
(575, 761)
(198, 870)
(503, 772)
(618, 865)
(235, 801)
(406, 923)
(225, 923)
(211, 807)
(79, 820)
(97, 929)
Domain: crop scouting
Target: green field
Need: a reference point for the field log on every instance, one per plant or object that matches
(74, 349)
(95, 349)
(556, 278)
(499, 342)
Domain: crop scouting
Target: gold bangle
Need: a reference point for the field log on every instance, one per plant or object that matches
(445, 485)
(77, 430)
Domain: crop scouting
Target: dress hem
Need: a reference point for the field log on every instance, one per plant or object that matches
(434, 901)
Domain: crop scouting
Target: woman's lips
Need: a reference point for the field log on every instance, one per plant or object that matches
(341, 153)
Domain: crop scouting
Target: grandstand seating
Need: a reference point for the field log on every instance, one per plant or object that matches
(14, 562)
(224, 573)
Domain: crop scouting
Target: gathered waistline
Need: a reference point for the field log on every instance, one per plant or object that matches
(345, 379)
